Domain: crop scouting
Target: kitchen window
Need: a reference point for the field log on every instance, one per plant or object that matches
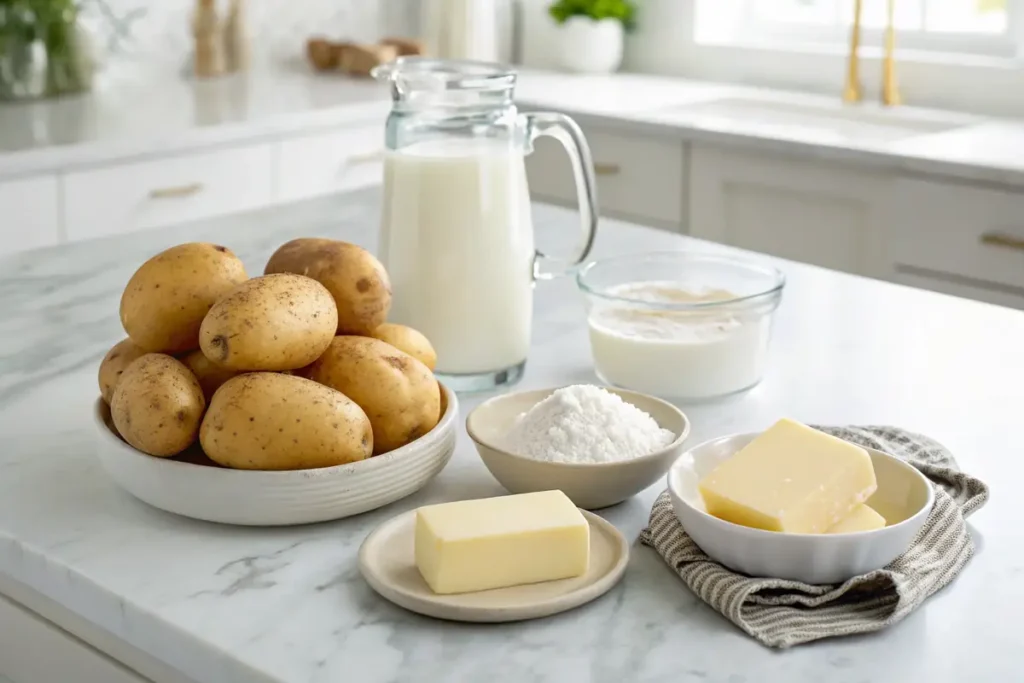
(991, 28)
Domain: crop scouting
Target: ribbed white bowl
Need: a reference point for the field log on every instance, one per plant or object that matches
(257, 498)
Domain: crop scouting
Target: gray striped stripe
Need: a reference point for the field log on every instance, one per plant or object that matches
(784, 613)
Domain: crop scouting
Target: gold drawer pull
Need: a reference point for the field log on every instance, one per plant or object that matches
(997, 239)
(176, 192)
(359, 159)
(607, 169)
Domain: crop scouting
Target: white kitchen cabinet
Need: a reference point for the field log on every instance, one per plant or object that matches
(335, 161)
(959, 239)
(33, 650)
(639, 178)
(166, 190)
(29, 213)
(809, 211)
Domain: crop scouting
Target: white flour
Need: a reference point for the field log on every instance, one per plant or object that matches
(585, 424)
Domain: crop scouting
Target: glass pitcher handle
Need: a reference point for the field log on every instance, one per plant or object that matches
(565, 130)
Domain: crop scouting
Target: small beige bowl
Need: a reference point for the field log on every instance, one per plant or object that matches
(588, 485)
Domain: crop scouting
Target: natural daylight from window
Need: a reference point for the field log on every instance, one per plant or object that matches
(980, 27)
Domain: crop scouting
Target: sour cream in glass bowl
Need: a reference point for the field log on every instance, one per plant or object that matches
(682, 325)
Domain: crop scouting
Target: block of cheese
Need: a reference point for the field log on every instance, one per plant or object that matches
(790, 478)
(476, 545)
(863, 518)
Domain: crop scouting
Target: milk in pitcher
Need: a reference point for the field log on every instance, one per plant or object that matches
(457, 242)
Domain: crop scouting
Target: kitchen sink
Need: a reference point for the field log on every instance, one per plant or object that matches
(821, 122)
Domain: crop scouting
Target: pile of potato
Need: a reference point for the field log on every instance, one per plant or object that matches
(296, 369)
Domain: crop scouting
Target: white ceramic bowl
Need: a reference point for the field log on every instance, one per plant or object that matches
(904, 497)
(588, 485)
(258, 498)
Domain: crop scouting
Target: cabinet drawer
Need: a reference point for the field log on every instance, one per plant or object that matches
(165, 191)
(970, 232)
(331, 162)
(637, 177)
(937, 282)
(30, 215)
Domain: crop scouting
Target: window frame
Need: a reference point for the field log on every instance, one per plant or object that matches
(752, 30)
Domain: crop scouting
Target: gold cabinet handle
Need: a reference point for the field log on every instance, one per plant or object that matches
(359, 159)
(607, 169)
(998, 239)
(176, 192)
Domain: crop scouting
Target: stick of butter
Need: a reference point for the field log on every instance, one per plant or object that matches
(790, 478)
(476, 545)
(863, 518)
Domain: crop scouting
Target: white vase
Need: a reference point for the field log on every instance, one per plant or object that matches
(588, 46)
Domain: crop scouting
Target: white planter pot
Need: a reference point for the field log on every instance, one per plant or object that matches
(588, 46)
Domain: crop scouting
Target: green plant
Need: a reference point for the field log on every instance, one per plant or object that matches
(621, 10)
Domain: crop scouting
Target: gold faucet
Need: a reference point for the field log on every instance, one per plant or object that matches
(890, 88)
(853, 91)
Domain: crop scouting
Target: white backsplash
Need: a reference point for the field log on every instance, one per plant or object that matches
(158, 30)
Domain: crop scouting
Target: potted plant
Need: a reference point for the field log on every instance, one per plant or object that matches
(591, 33)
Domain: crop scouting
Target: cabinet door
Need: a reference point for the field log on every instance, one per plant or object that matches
(958, 239)
(329, 162)
(639, 178)
(167, 190)
(29, 213)
(34, 650)
(808, 211)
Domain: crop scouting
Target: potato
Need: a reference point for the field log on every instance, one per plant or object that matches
(406, 339)
(354, 277)
(209, 374)
(270, 421)
(158, 405)
(397, 392)
(119, 357)
(169, 295)
(274, 322)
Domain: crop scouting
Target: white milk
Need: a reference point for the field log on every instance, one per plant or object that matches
(677, 354)
(457, 241)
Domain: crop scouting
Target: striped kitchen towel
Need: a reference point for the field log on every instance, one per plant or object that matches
(781, 613)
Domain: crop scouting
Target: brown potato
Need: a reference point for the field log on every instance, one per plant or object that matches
(209, 374)
(158, 405)
(169, 295)
(407, 339)
(397, 392)
(354, 277)
(119, 357)
(271, 421)
(274, 322)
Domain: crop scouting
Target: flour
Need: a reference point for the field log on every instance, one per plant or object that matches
(585, 424)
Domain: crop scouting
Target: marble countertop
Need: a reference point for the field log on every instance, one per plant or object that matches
(234, 605)
(140, 113)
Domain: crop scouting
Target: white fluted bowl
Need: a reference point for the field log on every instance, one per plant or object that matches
(258, 498)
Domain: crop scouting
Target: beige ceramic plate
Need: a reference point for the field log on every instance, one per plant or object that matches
(386, 562)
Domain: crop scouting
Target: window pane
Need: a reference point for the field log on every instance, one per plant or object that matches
(796, 11)
(967, 16)
(907, 14)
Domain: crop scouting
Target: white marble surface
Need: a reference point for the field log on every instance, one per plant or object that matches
(162, 113)
(230, 605)
(148, 112)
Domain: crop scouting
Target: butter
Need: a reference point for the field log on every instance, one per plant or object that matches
(863, 518)
(790, 478)
(476, 545)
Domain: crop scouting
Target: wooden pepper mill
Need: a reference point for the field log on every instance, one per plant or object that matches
(209, 45)
(236, 38)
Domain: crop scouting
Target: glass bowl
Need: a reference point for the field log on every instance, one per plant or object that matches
(680, 325)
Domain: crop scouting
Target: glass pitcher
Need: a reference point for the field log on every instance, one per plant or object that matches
(456, 233)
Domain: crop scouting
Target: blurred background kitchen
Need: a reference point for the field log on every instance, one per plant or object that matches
(879, 137)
